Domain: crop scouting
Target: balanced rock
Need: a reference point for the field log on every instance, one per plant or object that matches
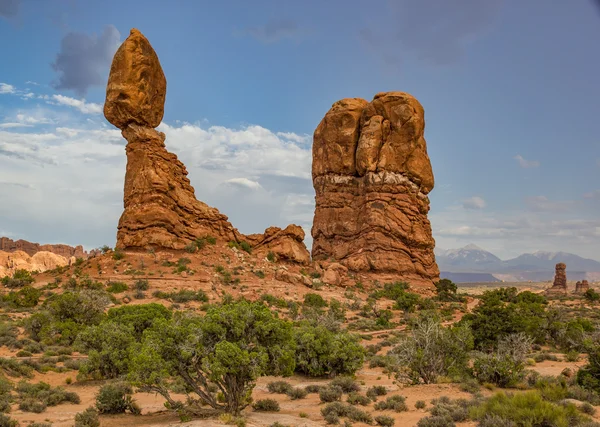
(372, 175)
(560, 279)
(161, 209)
(137, 86)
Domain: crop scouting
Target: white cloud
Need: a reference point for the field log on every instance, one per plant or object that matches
(80, 104)
(30, 82)
(524, 163)
(244, 182)
(474, 202)
(592, 195)
(6, 88)
(14, 125)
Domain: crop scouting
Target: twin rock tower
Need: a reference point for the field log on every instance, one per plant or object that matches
(370, 171)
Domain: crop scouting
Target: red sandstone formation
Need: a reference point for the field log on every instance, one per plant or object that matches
(582, 287)
(161, 209)
(8, 245)
(372, 174)
(560, 280)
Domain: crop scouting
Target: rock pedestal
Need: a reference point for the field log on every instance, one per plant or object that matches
(372, 175)
(161, 209)
(560, 279)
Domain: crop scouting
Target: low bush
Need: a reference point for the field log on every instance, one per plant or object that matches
(266, 405)
(141, 285)
(116, 287)
(36, 397)
(116, 398)
(279, 387)
(436, 421)
(313, 388)
(347, 384)
(19, 279)
(384, 420)
(528, 409)
(87, 418)
(297, 393)
(420, 404)
(376, 391)
(330, 394)
(314, 300)
(393, 403)
(358, 399)
(456, 410)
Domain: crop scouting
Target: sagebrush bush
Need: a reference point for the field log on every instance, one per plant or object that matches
(347, 384)
(6, 421)
(297, 393)
(394, 403)
(384, 420)
(420, 404)
(279, 387)
(355, 398)
(116, 398)
(266, 405)
(436, 421)
(87, 418)
(330, 394)
(376, 391)
(313, 388)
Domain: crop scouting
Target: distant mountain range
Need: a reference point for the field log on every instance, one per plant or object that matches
(473, 264)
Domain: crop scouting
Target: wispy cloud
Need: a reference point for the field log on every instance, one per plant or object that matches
(543, 204)
(524, 163)
(244, 182)
(80, 104)
(6, 88)
(474, 202)
(592, 195)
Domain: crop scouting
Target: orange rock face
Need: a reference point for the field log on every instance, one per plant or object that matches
(8, 245)
(161, 209)
(372, 175)
(137, 86)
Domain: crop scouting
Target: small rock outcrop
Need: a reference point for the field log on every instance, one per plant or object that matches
(560, 279)
(9, 245)
(161, 209)
(20, 260)
(582, 287)
(372, 175)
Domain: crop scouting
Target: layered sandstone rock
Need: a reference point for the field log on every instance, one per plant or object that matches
(372, 175)
(20, 260)
(560, 279)
(582, 287)
(161, 209)
(8, 245)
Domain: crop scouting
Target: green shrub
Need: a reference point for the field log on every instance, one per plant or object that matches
(589, 375)
(116, 287)
(141, 285)
(384, 420)
(32, 405)
(36, 397)
(313, 388)
(274, 301)
(431, 351)
(355, 398)
(321, 351)
(84, 307)
(116, 398)
(506, 366)
(297, 393)
(446, 291)
(394, 403)
(271, 256)
(26, 297)
(436, 421)
(314, 300)
(279, 387)
(347, 384)
(377, 390)
(587, 409)
(246, 247)
(118, 254)
(187, 295)
(87, 418)
(231, 346)
(591, 295)
(529, 409)
(107, 346)
(266, 405)
(190, 248)
(456, 410)
(330, 394)
(420, 404)
(19, 279)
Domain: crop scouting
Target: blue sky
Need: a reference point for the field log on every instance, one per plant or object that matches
(510, 90)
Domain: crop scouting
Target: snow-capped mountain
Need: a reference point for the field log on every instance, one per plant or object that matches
(468, 258)
(531, 266)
